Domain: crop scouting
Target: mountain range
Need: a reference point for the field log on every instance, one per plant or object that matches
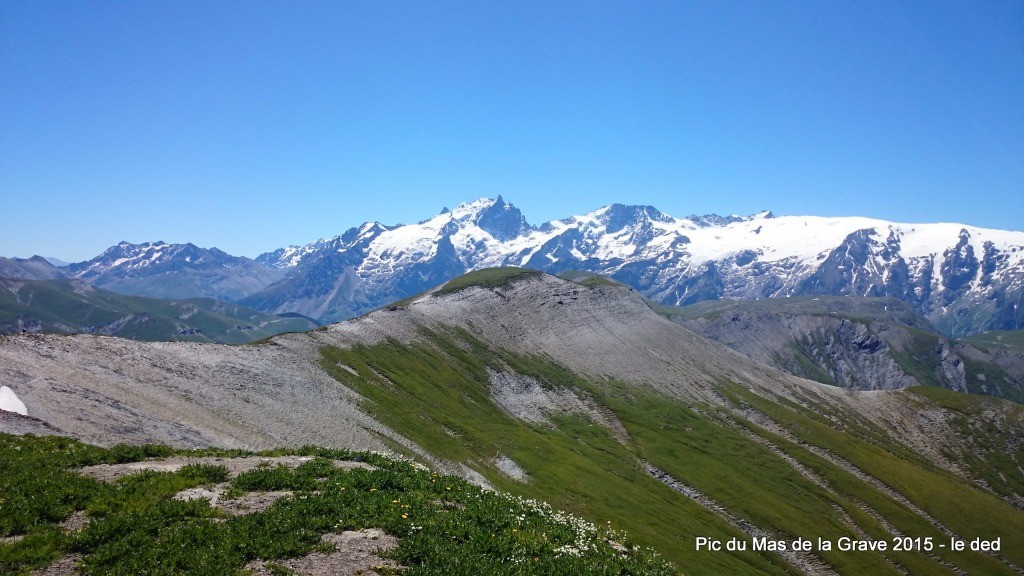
(575, 393)
(963, 279)
(73, 306)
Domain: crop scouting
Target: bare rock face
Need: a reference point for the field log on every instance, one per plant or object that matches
(857, 352)
(951, 367)
(838, 351)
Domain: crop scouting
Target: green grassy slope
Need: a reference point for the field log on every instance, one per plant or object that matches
(444, 525)
(487, 278)
(72, 306)
(1009, 340)
(833, 475)
(589, 278)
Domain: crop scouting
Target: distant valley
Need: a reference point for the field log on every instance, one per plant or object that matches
(68, 306)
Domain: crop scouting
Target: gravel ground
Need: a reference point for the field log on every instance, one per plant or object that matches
(13, 423)
(108, 390)
(358, 553)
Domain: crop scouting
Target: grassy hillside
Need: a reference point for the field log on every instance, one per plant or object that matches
(589, 278)
(831, 475)
(487, 278)
(73, 306)
(136, 525)
(995, 340)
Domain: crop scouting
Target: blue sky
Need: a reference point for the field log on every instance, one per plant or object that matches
(253, 125)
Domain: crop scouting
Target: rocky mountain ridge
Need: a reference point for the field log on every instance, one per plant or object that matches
(582, 396)
(161, 270)
(964, 279)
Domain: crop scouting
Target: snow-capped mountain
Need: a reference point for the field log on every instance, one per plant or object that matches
(161, 270)
(963, 278)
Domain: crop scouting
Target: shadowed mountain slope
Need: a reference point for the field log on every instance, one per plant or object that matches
(74, 306)
(34, 268)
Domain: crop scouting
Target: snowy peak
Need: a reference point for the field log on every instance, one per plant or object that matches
(502, 221)
(962, 278)
(618, 216)
(162, 270)
(133, 259)
(482, 222)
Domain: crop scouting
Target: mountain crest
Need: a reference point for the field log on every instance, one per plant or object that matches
(503, 221)
(963, 279)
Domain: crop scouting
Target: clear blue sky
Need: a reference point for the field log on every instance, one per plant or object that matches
(253, 125)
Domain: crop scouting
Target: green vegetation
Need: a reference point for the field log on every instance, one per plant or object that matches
(997, 453)
(988, 378)
(590, 279)
(488, 278)
(436, 392)
(918, 357)
(952, 500)
(805, 366)
(73, 306)
(444, 525)
(1009, 340)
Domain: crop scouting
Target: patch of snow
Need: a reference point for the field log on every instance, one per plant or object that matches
(10, 402)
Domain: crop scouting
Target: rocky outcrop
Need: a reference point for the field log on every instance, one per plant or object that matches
(861, 353)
